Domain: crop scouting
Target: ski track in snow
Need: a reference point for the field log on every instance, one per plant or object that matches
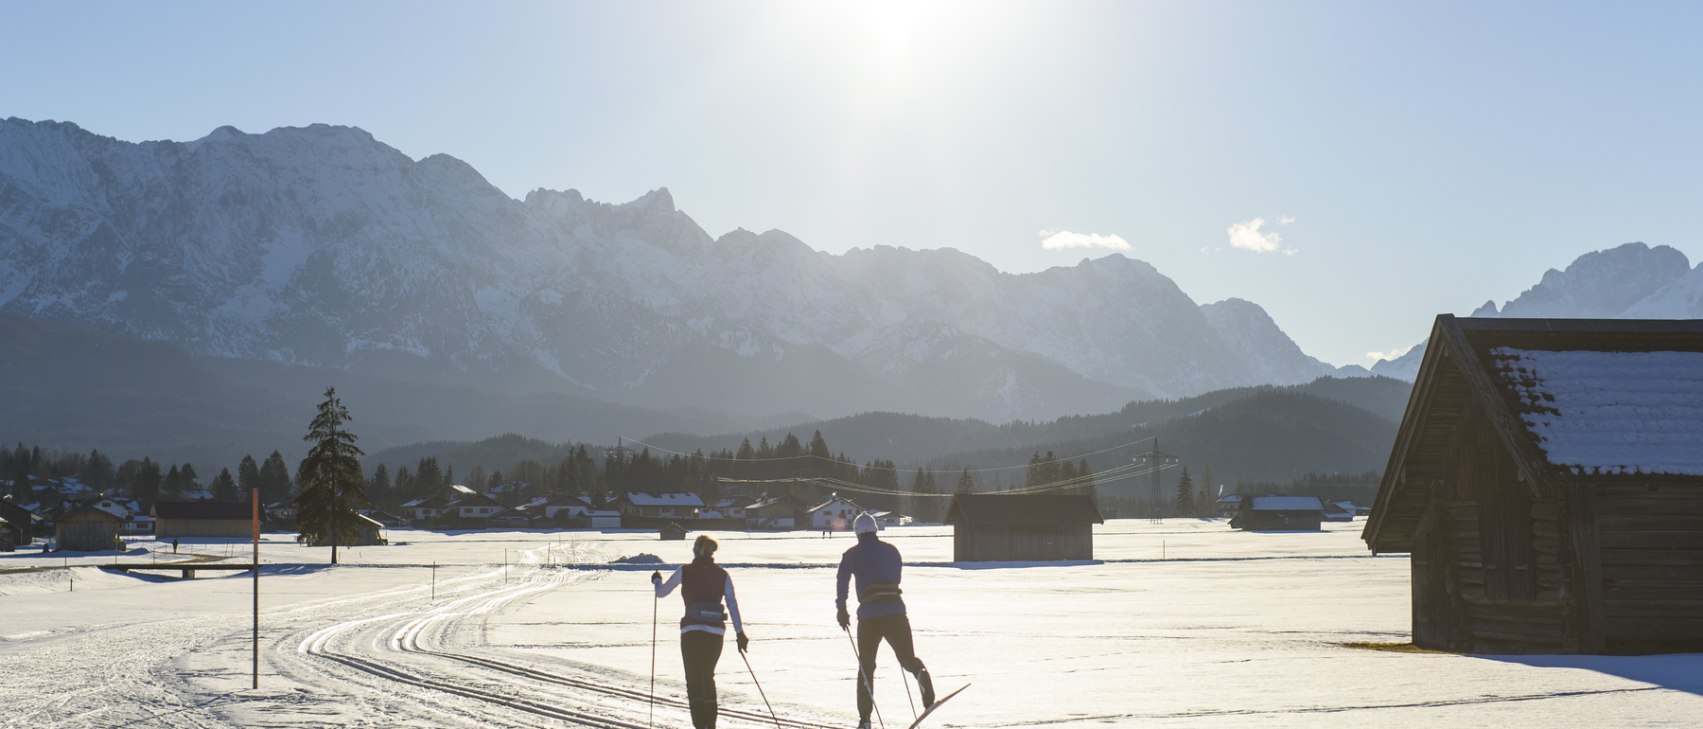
(424, 665)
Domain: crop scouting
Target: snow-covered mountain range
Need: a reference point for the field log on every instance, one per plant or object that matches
(1630, 281)
(323, 247)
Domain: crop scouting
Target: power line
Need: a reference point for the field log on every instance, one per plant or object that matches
(1114, 475)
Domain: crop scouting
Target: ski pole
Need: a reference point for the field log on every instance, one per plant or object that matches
(868, 684)
(903, 674)
(654, 602)
(760, 689)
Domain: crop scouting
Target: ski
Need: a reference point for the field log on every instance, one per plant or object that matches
(937, 703)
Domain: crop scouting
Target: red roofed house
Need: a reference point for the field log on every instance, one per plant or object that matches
(1548, 481)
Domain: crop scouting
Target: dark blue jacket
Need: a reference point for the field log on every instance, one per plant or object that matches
(876, 565)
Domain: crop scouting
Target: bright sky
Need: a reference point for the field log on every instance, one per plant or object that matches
(1377, 163)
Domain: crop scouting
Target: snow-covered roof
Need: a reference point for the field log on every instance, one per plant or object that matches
(1610, 412)
(836, 500)
(682, 499)
(1285, 503)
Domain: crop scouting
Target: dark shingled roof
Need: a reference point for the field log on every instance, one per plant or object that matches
(1028, 509)
(203, 510)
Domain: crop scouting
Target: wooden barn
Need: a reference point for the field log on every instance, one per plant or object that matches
(8, 537)
(672, 532)
(24, 524)
(1272, 513)
(1022, 528)
(87, 529)
(1548, 481)
(182, 519)
(369, 532)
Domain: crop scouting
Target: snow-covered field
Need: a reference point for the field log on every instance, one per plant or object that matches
(1184, 623)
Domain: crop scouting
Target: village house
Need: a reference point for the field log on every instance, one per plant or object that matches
(778, 512)
(730, 507)
(834, 515)
(658, 506)
(1027, 528)
(470, 510)
(1277, 513)
(1547, 480)
(423, 511)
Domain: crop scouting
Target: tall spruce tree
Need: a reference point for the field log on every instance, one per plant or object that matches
(248, 476)
(966, 483)
(330, 476)
(274, 479)
(1184, 503)
(224, 486)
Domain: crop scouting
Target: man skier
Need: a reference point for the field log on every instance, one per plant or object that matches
(703, 586)
(880, 612)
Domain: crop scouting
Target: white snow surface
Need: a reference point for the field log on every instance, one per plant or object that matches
(1181, 624)
(1611, 412)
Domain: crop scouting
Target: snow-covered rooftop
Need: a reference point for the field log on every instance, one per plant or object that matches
(1286, 503)
(1610, 412)
(641, 499)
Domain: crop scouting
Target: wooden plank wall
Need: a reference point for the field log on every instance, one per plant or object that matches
(1506, 564)
(85, 536)
(168, 528)
(991, 543)
(1652, 566)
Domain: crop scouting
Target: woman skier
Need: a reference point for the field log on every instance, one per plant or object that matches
(704, 585)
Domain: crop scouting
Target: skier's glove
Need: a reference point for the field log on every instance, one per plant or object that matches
(744, 642)
(655, 577)
(845, 619)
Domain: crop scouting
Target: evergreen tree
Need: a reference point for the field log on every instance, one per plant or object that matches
(173, 486)
(1086, 476)
(379, 488)
(248, 476)
(97, 471)
(1206, 496)
(148, 481)
(224, 486)
(428, 477)
(274, 479)
(190, 481)
(404, 484)
(966, 483)
(1184, 503)
(330, 477)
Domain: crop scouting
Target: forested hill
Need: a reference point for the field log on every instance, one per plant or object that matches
(912, 440)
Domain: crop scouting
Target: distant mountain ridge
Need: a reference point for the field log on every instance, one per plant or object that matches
(323, 247)
(1629, 281)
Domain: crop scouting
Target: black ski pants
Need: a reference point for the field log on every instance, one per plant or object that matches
(701, 651)
(896, 630)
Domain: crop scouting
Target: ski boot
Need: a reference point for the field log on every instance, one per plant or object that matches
(926, 686)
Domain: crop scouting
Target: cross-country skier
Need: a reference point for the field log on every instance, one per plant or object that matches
(703, 585)
(880, 612)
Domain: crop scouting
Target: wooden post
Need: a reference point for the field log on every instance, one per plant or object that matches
(255, 646)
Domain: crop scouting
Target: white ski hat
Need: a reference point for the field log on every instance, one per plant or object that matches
(864, 523)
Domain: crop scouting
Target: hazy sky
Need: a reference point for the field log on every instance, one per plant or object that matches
(1353, 167)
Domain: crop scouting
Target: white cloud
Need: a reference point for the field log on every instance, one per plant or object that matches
(1285, 219)
(1247, 236)
(1390, 355)
(1065, 240)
